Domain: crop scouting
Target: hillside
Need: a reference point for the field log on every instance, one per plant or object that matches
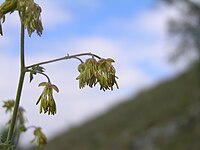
(166, 117)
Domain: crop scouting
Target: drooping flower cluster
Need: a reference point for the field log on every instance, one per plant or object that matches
(32, 19)
(6, 7)
(47, 102)
(39, 138)
(21, 120)
(106, 74)
(20, 127)
(29, 11)
(93, 72)
(6, 146)
(87, 74)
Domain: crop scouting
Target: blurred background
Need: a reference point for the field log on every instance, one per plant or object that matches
(155, 45)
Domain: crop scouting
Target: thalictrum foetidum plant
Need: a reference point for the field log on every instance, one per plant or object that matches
(94, 70)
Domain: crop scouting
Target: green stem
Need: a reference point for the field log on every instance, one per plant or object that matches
(20, 86)
(63, 58)
(45, 76)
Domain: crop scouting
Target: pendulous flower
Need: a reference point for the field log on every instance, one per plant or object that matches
(7, 6)
(29, 12)
(106, 74)
(47, 102)
(88, 73)
(93, 72)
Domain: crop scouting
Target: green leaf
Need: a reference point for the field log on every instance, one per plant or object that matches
(31, 76)
(1, 32)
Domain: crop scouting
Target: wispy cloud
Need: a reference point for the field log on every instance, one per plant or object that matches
(56, 16)
(155, 21)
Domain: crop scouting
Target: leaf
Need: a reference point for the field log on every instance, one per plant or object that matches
(31, 76)
(1, 32)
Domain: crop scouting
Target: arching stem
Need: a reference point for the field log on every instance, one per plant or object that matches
(64, 58)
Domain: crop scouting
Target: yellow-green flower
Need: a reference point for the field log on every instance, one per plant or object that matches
(29, 12)
(88, 73)
(9, 104)
(93, 72)
(39, 138)
(106, 74)
(7, 6)
(47, 102)
(32, 20)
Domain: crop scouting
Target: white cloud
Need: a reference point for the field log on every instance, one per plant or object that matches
(88, 4)
(54, 15)
(154, 21)
(4, 41)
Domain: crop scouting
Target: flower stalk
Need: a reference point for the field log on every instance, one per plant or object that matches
(20, 86)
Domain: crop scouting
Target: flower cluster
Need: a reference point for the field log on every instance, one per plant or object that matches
(106, 74)
(87, 74)
(32, 18)
(20, 120)
(39, 138)
(47, 102)
(93, 72)
(29, 11)
(8, 105)
(6, 7)
(20, 127)
(6, 146)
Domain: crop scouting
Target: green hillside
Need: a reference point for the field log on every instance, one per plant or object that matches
(166, 117)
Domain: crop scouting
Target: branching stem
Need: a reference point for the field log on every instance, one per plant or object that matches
(25, 69)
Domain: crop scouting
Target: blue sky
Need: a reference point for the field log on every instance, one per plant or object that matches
(131, 32)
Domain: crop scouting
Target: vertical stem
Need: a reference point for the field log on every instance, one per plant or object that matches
(22, 60)
(20, 86)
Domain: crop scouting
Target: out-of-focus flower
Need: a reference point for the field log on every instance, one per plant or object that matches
(29, 12)
(7, 6)
(6, 146)
(39, 138)
(21, 119)
(47, 102)
(8, 105)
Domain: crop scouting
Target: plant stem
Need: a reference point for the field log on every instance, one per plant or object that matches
(63, 58)
(20, 85)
